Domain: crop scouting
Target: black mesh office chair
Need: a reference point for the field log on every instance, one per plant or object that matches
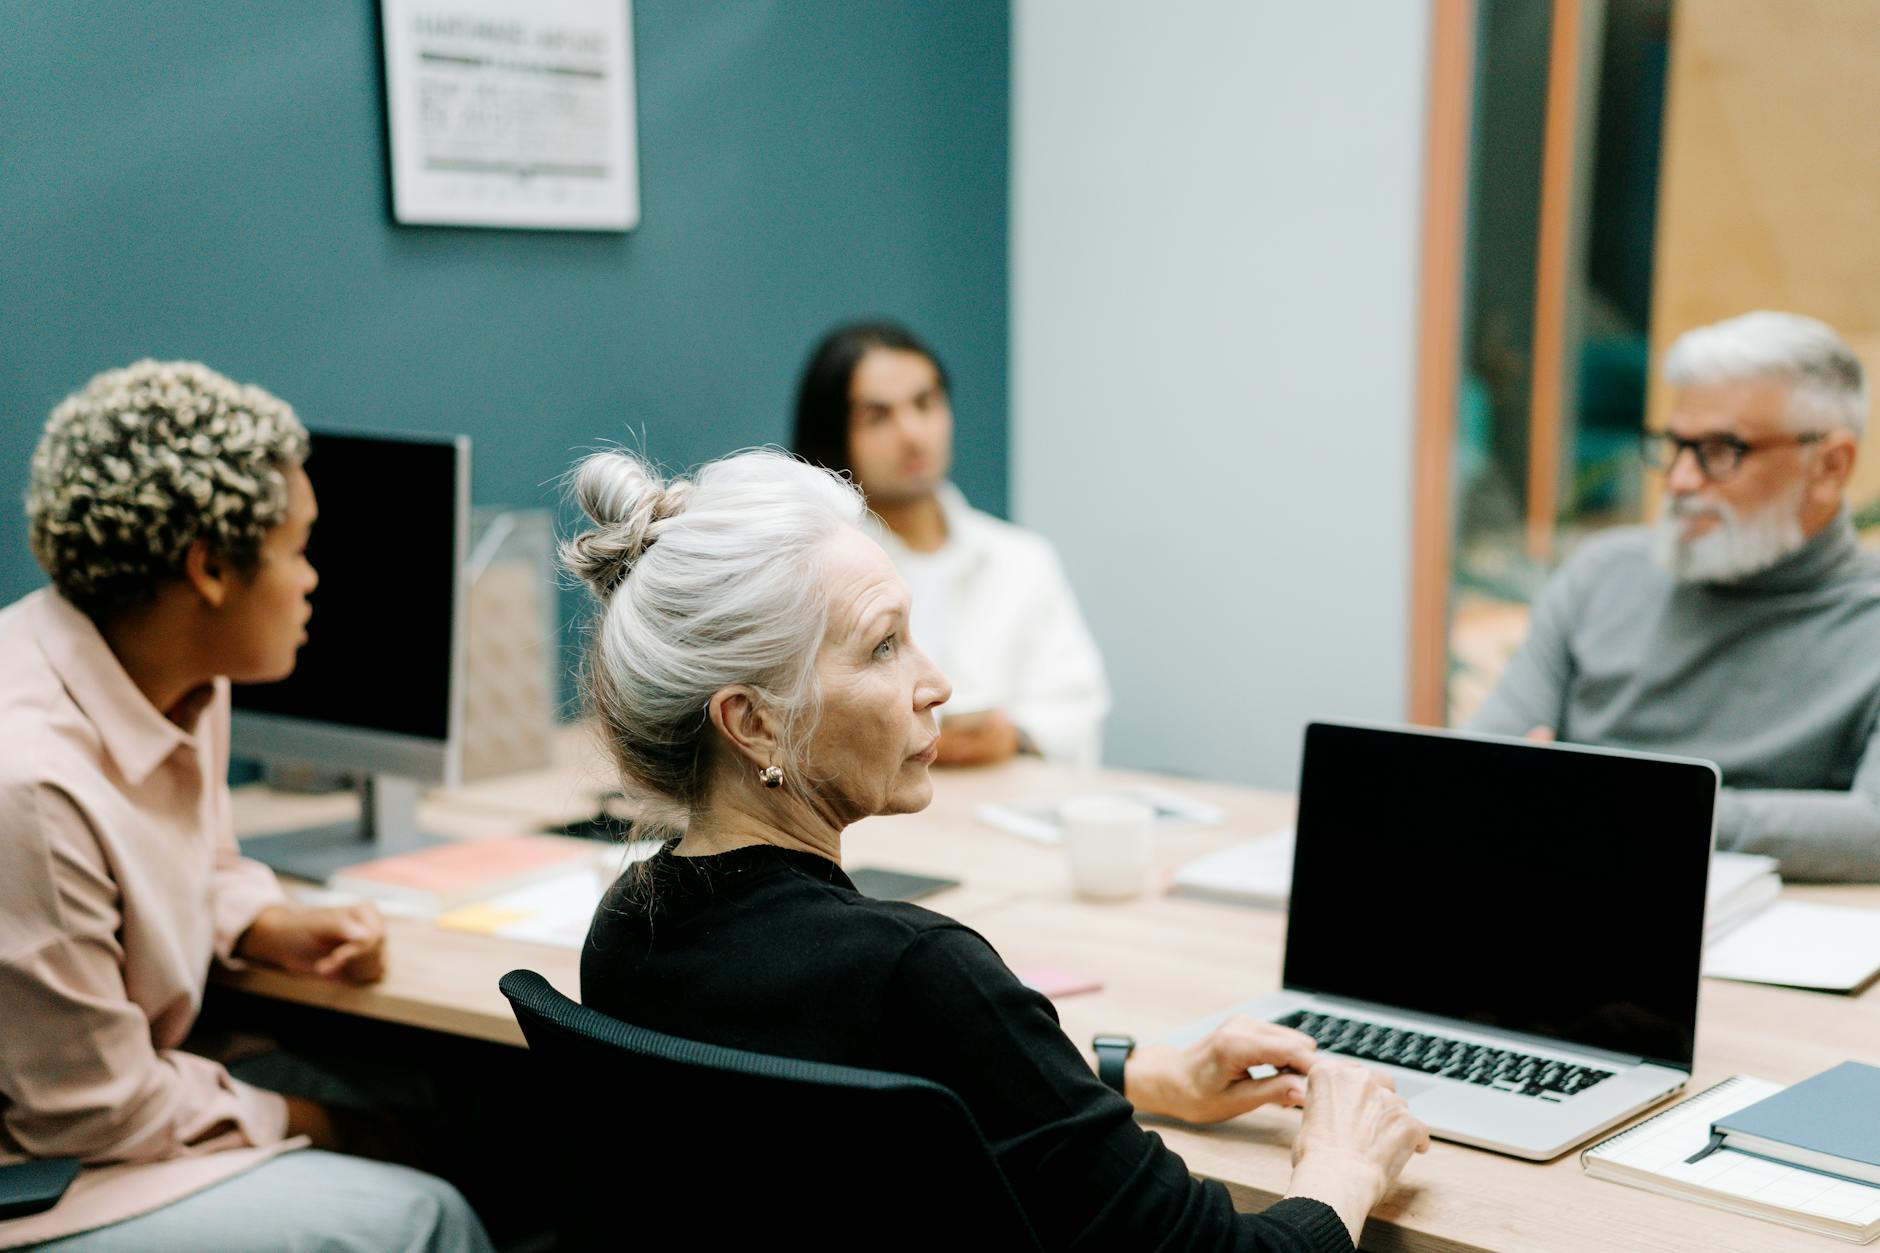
(669, 1143)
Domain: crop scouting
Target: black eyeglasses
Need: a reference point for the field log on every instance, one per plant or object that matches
(1718, 456)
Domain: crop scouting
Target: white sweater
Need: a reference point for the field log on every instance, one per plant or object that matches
(994, 610)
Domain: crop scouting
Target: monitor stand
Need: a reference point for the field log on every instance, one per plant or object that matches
(387, 825)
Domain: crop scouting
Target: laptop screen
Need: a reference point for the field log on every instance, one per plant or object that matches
(1550, 890)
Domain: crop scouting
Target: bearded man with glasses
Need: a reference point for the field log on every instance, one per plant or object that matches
(1743, 625)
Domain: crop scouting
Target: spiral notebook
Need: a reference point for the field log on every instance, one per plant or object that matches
(1651, 1155)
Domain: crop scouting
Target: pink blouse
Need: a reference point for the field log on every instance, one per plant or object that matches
(119, 882)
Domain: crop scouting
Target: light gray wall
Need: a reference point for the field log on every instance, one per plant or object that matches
(1215, 215)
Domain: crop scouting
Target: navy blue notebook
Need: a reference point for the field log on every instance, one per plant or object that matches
(1830, 1123)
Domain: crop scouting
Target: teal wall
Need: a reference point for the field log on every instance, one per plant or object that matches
(207, 181)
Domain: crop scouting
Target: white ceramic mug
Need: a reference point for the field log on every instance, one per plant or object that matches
(1110, 841)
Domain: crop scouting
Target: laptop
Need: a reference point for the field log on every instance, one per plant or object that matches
(1512, 930)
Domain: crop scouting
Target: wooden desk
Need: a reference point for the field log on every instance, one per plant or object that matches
(436, 979)
(446, 980)
(1165, 962)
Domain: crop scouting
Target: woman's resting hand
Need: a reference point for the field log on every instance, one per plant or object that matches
(343, 942)
(985, 738)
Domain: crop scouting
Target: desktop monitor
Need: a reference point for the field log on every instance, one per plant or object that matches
(378, 688)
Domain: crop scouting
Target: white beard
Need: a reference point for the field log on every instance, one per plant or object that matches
(1732, 549)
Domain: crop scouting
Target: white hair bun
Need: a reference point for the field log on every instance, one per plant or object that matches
(628, 503)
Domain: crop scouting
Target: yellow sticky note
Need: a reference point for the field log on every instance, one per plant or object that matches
(483, 919)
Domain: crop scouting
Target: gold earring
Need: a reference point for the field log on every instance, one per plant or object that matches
(772, 776)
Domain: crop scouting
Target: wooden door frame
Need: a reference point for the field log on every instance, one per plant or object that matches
(1439, 351)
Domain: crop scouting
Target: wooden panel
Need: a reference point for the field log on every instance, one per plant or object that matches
(1439, 321)
(1770, 185)
(1550, 281)
(1864, 488)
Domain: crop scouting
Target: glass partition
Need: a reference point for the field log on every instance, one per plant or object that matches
(1557, 296)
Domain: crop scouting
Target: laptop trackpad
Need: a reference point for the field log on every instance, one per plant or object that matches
(1409, 1089)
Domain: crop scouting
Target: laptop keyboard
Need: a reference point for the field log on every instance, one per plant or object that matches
(1502, 1069)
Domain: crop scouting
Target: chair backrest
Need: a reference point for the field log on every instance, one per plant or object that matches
(663, 1140)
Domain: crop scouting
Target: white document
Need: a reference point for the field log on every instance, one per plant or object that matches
(557, 912)
(1800, 944)
(1039, 819)
(1258, 872)
(1652, 1156)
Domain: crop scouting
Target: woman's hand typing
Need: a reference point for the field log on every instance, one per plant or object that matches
(1354, 1140)
(1207, 1081)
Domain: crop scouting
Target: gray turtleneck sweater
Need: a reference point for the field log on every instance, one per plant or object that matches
(1775, 677)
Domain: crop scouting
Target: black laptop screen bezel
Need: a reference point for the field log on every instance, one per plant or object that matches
(1373, 914)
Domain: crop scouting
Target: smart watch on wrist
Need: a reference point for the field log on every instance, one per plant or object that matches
(1112, 1055)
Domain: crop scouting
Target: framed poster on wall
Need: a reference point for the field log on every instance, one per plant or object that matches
(511, 113)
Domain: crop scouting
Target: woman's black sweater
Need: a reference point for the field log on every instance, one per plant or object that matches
(775, 952)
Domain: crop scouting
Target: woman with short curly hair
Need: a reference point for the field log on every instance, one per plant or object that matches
(142, 464)
(169, 509)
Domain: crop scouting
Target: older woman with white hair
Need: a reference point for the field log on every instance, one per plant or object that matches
(753, 672)
(168, 507)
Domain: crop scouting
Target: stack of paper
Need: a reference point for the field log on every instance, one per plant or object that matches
(1257, 873)
(1741, 885)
